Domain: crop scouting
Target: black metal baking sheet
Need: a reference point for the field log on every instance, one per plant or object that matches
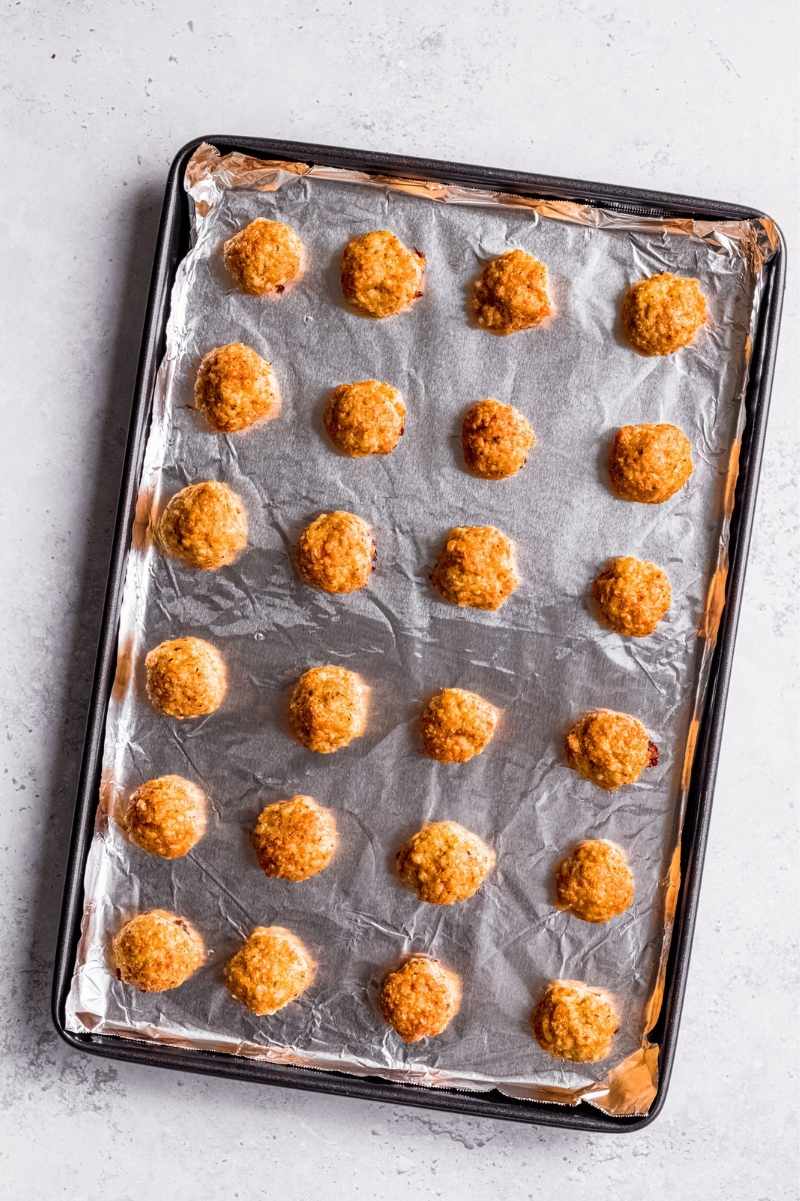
(173, 242)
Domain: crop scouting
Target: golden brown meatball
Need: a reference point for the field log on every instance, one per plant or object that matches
(336, 553)
(157, 950)
(166, 816)
(186, 677)
(445, 863)
(205, 525)
(575, 1021)
(663, 313)
(496, 439)
(269, 970)
(511, 293)
(421, 998)
(633, 595)
(476, 567)
(328, 708)
(365, 418)
(610, 749)
(456, 725)
(649, 463)
(265, 257)
(235, 388)
(381, 276)
(594, 881)
(295, 839)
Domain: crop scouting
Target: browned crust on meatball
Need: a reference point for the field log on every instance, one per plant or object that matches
(662, 314)
(496, 439)
(476, 567)
(336, 553)
(649, 463)
(420, 999)
(512, 293)
(445, 863)
(186, 677)
(166, 816)
(271, 969)
(609, 748)
(365, 418)
(381, 276)
(204, 525)
(594, 881)
(456, 725)
(328, 708)
(157, 950)
(632, 595)
(295, 839)
(235, 388)
(265, 257)
(575, 1021)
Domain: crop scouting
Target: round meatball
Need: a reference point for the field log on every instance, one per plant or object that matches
(269, 970)
(476, 567)
(328, 708)
(235, 388)
(265, 257)
(445, 863)
(157, 950)
(594, 881)
(511, 293)
(365, 418)
(456, 725)
(205, 525)
(662, 314)
(632, 595)
(186, 677)
(336, 553)
(496, 439)
(295, 839)
(649, 463)
(575, 1021)
(610, 749)
(381, 276)
(166, 816)
(420, 999)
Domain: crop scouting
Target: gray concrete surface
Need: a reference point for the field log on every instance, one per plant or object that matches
(95, 99)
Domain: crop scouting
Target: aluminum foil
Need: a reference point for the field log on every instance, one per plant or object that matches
(542, 659)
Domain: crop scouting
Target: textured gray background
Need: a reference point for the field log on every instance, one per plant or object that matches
(95, 100)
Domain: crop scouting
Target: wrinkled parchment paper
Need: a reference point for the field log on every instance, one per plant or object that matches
(542, 659)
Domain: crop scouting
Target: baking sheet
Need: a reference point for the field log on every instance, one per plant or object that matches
(542, 659)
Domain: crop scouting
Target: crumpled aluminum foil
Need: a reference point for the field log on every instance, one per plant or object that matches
(542, 659)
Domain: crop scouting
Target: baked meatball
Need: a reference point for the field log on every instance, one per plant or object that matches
(328, 708)
(496, 439)
(445, 863)
(476, 567)
(205, 525)
(662, 314)
(456, 725)
(295, 839)
(421, 998)
(336, 553)
(511, 293)
(157, 950)
(235, 388)
(610, 749)
(186, 677)
(632, 595)
(575, 1021)
(381, 276)
(265, 257)
(594, 881)
(365, 418)
(649, 463)
(166, 816)
(269, 970)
